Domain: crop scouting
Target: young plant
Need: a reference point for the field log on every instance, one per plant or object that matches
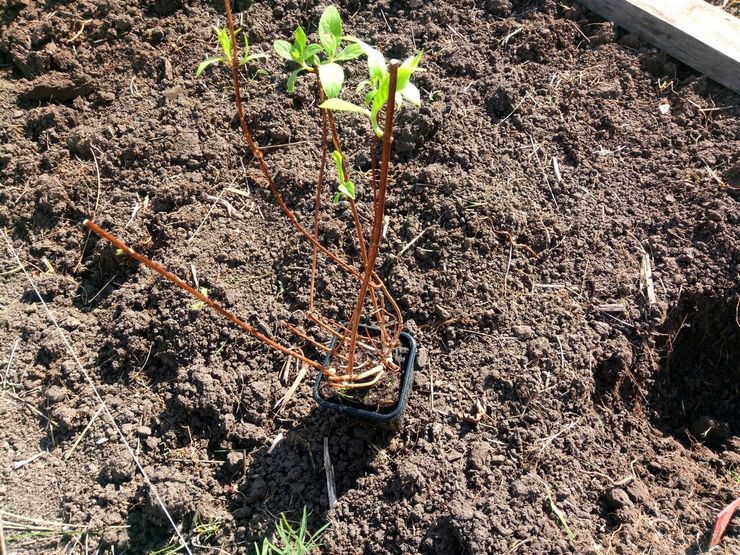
(321, 58)
(359, 358)
(227, 47)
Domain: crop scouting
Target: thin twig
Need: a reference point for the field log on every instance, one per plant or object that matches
(411, 243)
(97, 199)
(84, 432)
(508, 266)
(330, 482)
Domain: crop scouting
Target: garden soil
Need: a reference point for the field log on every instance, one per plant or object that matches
(564, 400)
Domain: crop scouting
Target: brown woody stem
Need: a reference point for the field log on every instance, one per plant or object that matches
(92, 226)
(379, 212)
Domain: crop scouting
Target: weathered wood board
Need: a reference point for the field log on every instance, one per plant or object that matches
(693, 31)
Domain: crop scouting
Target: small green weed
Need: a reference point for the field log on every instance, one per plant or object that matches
(227, 48)
(292, 540)
(560, 514)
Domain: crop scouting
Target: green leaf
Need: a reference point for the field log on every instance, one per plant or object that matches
(407, 68)
(349, 52)
(347, 189)
(224, 39)
(290, 86)
(381, 94)
(338, 162)
(246, 57)
(311, 50)
(252, 57)
(331, 22)
(332, 78)
(376, 66)
(339, 105)
(411, 93)
(300, 40)
(282, 49)
(205, 63)
(330, 44)
(330, 30)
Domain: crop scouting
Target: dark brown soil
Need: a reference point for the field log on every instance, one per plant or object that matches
(583, 381)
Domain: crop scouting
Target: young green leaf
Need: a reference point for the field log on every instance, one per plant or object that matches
(331, 22)
(339, 105)
(251, 57)
(330, 31)
(332, 78)
(300, 40)
(347, 189)
(375, 60)
(205, 63)
(246, 57)
(290, 85)
(338, 158)
(283, 49)
(224, 39)
(310, 52)
(407, 68)
(349, 52)
(411, 93)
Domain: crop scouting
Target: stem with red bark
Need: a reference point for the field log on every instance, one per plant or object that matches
(379, 212)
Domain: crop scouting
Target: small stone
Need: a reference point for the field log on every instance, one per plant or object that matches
(602, 328)
(617, 498)
(501, 8)
(80, 142)
(630, 41)
(167, 71)
(523, 332)
(442, 313)
(106, 97)
(454, 455)
(257, 490)
(538, 348)
(65, 416)
(422, 357)
(72, 323)
(152, 443)
(144, 431)
(58, 86)
(410, 477)
(655, 467)
(479, 456)
(123, 23)
(55, 394)
(155, 35)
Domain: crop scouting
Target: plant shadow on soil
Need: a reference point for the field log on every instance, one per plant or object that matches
(266, 483)
(695, 396)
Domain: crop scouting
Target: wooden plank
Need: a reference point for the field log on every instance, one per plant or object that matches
(693, 31)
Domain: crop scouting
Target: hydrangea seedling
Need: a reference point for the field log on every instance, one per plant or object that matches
(309, 56)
